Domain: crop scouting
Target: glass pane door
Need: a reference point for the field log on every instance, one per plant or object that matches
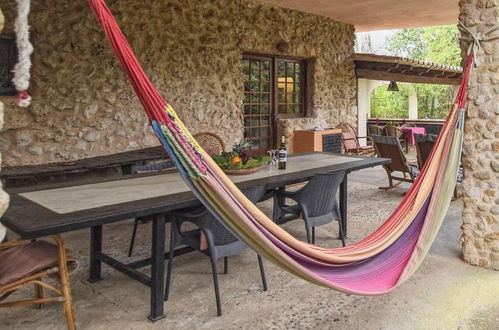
(257, 102)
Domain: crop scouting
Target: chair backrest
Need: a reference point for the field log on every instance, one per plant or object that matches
(350, 141)
(375, 130)
(318, 196)
(392, 130)
(424, 145)
(389, 147)
(211, 143)
(345, 127)
(409, 125)
(214, 228)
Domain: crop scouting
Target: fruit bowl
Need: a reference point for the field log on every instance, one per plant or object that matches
(243, 171)
(238, 161)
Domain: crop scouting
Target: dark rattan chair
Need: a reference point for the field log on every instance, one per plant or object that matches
(24, 262)
(221, 243)
(424, 145)
(315, 203)
(389, 147)
(211, 143)
(392, 130)
(375, 130)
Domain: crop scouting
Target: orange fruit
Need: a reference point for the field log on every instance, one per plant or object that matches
(235, 159)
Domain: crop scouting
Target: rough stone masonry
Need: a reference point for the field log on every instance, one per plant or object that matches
(481, 143)
(83, 105)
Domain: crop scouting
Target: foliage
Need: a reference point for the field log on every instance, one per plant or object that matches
(434, 101)
(386, 104)
(438, 44)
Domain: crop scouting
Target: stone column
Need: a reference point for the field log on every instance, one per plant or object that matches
(481, 143)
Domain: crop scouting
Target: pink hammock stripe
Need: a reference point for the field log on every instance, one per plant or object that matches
(374, 265)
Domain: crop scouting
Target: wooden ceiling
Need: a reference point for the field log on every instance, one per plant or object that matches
(370, 15)
(393, 68)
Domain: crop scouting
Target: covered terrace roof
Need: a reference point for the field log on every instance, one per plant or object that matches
(381, 67)
(369, 15)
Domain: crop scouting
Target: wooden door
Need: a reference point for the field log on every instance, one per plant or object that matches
(258, 99)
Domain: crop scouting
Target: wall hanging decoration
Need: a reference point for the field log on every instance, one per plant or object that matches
(22, 69)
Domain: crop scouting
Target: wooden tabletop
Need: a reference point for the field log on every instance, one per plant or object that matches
(44, 210)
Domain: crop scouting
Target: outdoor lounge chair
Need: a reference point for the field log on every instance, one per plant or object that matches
(315, 203)
(389, 147)
(220, 242)
(424, 145)
(350, 141)
(24, 262)
(392, 130)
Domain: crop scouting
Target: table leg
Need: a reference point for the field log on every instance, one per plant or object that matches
(344, 203)
(95, 250)
(157, 269)
(277, 214)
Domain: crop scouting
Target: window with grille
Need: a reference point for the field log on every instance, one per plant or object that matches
(274, 88)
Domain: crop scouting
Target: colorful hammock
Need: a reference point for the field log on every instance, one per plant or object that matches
(374, 265)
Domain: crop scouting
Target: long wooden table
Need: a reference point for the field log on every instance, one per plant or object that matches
(53, 209)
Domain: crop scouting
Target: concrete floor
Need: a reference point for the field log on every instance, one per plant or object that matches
(445, 293)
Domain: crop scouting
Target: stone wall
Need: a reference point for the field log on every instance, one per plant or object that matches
(481, 145)
(83, 106)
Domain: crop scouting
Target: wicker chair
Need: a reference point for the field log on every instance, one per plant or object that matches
(392, 130)
(424, 145)
(220, 242)
(211, 143)
(389, 147)
(351, 144)
(24, 262)
(315, 202)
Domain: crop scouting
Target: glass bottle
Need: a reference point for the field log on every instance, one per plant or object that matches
(283, 155)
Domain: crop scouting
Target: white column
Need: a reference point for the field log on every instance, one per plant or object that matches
(413, 104)
(363, 108)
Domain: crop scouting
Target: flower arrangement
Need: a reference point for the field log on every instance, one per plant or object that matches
(238, 158)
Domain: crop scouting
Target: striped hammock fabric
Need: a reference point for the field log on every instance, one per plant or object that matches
(375, 265)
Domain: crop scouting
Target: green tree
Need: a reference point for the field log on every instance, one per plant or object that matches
(437, 44)
(386, 104)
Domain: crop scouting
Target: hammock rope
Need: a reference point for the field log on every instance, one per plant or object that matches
(375, 265)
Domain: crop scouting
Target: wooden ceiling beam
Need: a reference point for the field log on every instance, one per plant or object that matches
(389, 76)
